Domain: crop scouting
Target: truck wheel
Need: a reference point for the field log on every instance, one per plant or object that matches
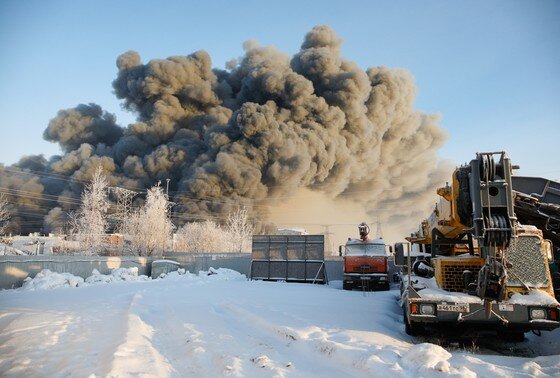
(346, 286)
(386, 286)
(411, 329)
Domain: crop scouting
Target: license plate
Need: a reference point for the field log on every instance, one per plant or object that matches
(365, 278)
(460, 307)
(505, 307)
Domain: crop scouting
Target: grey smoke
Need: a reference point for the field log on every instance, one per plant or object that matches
(83, 124)
(258, 131)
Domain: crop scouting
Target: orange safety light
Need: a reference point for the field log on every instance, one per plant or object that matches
(414, 308)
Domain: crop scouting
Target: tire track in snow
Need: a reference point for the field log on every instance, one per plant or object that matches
(174, 340)
(188, 341)
(136, 355)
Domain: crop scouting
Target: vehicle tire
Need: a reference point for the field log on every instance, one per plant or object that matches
(386, 287)
(346, 286)
(411, 329)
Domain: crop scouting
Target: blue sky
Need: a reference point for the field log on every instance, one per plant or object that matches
(490, 68)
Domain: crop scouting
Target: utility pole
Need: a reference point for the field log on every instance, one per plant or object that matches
(167, 187)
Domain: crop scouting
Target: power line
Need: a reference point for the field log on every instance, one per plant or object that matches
(57, 176)
(225, 201)
(52, 175)
(39, 196)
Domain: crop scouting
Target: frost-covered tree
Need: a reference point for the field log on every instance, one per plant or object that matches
(239, 231)
(202, 237)
(91, 220)
(71, 225)
(5, 214)
(150, 228)
(209, 236)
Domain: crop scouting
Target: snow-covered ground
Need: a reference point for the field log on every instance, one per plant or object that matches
(223, 325)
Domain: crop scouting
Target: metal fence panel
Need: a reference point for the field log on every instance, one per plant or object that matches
(259, 270)
(315, 271)
(296, 250)
(296, 270)
(278, 270)
(288, 257)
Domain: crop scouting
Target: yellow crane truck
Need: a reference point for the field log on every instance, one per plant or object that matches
(476, 269)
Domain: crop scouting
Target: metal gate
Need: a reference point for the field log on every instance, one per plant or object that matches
(290, 258)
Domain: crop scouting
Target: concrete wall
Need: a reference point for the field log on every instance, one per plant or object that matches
(14, 269)
(334, 268)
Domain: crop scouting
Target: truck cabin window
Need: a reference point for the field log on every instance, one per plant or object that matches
(365, 249)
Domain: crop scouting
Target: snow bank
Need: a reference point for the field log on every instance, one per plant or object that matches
(221, 274)
(425, 357)
(46, 279)
(116, 275)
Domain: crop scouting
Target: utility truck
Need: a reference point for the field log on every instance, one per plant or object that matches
(366, 262)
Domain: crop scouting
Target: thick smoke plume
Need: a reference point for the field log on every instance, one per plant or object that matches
(252, 135)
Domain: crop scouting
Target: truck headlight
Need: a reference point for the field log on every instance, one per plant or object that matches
(427, 309)
(538, 313)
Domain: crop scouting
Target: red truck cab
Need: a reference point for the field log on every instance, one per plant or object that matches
(366, 264)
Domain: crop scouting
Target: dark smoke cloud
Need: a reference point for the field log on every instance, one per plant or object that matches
(258, 131)
(55, 221)
(24, 195)
(83, 124)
